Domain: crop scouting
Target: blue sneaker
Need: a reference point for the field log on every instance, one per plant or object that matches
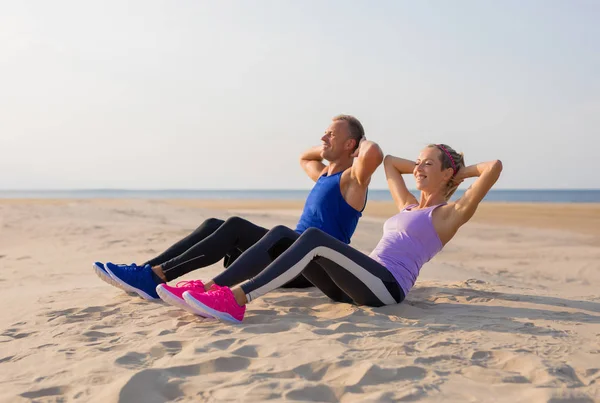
(101, 272)
(133, 278)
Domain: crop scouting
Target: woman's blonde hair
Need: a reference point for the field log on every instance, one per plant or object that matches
(450, 159)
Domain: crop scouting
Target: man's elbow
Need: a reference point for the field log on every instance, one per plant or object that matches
(304, 159)
(374, 154)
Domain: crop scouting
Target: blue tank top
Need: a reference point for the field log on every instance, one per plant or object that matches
(327, 210)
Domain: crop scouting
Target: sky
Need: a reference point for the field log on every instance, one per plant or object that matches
(227, 94)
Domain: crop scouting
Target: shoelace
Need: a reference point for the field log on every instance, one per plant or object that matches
(216, 290)
(190, 283)
(223, 297)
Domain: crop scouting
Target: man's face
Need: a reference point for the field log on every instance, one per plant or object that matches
(336, 141)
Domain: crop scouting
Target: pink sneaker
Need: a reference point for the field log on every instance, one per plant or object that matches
(218, 302)
(174, 295)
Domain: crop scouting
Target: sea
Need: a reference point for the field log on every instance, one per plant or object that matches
(500, 195)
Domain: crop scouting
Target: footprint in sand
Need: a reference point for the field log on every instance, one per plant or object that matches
(437, 358)
(221, 344)
(518, 368)
(314, 371)
(154, 383)
(221, 332)
(15, 333)
(94, 335)
(71, 315)
(347, 338)
(316, 393)
(53, 391)
(247, 351)
(100, 327)
(481, 356)
(262, 392)
(68, 351)
(163, 383)
(592, 371)
(564, 376)
(372, 374)
(515, 379)
(133, 360)
(221, 364)
(571, 399)
(172, 347)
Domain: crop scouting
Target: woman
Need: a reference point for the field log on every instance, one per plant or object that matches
(411, 238)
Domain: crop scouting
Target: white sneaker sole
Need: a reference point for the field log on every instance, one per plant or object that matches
(104, 276)
(117, 282)
(171, 299)
(198, 306)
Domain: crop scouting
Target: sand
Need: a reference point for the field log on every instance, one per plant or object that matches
(508, 312)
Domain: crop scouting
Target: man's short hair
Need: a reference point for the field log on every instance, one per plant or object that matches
(356, 129)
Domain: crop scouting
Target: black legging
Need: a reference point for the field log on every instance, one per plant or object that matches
(216, 239)
(340, 271)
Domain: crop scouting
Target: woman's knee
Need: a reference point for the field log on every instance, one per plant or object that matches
(236, 221)
(313, 237)
(315, 233)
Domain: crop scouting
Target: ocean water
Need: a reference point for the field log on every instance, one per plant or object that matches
(521, 195)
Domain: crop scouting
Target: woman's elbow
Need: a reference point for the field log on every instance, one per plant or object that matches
(497, 166)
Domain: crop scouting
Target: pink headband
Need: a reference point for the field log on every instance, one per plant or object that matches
(449, 156)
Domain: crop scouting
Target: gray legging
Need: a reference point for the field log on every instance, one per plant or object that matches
(217, 239)
(340, 271)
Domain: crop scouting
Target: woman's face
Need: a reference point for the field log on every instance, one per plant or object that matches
(428, 171)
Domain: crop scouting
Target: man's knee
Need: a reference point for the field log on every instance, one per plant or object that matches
(281, 231)
(213, 223)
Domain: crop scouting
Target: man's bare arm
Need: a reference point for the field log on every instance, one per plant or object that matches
(312, 162)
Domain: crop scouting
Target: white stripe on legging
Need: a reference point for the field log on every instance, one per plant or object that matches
(187, 261)
(373, 282)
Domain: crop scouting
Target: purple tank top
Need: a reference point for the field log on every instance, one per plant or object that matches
(409, 241)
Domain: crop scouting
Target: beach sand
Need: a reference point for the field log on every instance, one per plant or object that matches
(509, 311)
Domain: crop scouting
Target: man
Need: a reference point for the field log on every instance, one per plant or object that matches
(334, 205)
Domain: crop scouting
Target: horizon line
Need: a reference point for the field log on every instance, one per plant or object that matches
(251, 189)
